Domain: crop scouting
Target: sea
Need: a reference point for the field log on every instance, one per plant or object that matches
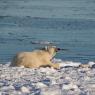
(27, 25)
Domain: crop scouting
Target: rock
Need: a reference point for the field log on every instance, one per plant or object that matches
(68, 78)
(69, 86)
(47, 81)
(87, 78)
(1, 84)
(24, 89)
(40, 85)
(53, 81)
(91, 64)
(52, 90)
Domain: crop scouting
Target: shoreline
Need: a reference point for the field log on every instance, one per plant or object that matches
(68, 80)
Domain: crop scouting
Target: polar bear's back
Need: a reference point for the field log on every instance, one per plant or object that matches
(30, 59)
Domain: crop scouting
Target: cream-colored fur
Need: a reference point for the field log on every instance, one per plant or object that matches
(36, 59)
(85, 65)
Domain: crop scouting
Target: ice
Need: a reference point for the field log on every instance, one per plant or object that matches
(91, 63)
(70, 79)
(66, 63)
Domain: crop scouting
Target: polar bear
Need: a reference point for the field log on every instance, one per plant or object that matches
(36, 58)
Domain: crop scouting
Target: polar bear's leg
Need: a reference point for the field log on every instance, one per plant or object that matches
(56, 66)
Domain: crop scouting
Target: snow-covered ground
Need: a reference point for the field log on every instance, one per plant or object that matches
(68, 80)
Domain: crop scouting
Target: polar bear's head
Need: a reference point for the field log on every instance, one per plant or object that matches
(51, 50)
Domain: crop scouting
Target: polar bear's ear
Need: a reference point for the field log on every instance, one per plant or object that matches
(46, 48)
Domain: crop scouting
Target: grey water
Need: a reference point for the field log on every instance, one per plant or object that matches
(68, 24)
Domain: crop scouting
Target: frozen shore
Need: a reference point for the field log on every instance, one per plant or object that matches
(70, 79)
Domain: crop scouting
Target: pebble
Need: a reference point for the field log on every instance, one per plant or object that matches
(93, 66)
(69, 86)
(40, 85)
(91, 63)
(52, 90)
(47, 81)
(25, 89)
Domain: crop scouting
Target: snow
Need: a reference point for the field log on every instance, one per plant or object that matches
(70, 79)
